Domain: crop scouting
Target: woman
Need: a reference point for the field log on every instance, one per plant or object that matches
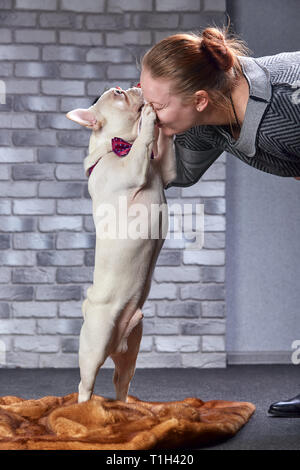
(210, 97)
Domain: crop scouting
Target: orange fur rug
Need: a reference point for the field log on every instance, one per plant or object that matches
(52, 423)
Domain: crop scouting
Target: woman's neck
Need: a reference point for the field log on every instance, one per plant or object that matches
(220, 117)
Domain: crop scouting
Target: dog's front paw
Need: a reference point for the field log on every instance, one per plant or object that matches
(148, 120)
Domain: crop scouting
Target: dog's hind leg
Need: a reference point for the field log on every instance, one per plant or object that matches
(125, 362)
(95, 334)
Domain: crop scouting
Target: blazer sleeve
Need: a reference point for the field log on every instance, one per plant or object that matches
(192, 164)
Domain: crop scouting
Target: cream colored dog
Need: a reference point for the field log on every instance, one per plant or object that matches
(123, 265)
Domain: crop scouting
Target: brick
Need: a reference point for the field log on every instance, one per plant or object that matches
(60, 190)
(5, 137)
(33, 275)
(217, 171)
(107, 22)
(55, 121)
(16, 293)
(58, 292)
(4, 241)
(17, 327)
(89, 258)
(64, 53)
(213, 343)
(202, 327)
(162, 291)
(82, 71)
(5, 35)
(47, 224)
(9, 121)
(4, 310)
(204, 257)
(16, 189)
(203, 292)
(75, 240)
(128, 37)
(200, 21)
(33, 206)
(78, 138)
(214, 240)
(180, 274)
(87, 6)
(71, 275)
(4, 172)
(70, 309)
(60, 258)
(6, 70)
(215, 206)
(213, 309)
(203, 360)
(124, 71)
(36, 344)
(17, 19)
(176, 344)
(111, 54)
(12, 52)
(89, 223)
(14, 155)
(34, 309)
(81, 38)
(60, 326)
(205, 189)
(5, 275)
(17, 258)
(182, 310)
(71, 172)
(23, 359)
(35, 103)
(36, 69)
(119, 6)
(36, 4)
(212, 274)
(5, 207)
(67, 360)
(39, 36)
(6, 4)
(63, 87)
(17, 224)
(33, 172)
(159, 360)
(70, 345)
(156, 20)
(33, 138)
(34, 241)
(214, 5)
(178, 5)
(67, 104)
(19, 86)
(61, 20)
(60, 155)
(82, 206)
(169, 258)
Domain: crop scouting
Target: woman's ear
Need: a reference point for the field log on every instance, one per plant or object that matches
(87, 118)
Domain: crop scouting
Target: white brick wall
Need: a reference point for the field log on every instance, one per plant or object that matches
(57, 55)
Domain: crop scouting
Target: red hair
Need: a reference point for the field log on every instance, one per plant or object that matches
(198, 61)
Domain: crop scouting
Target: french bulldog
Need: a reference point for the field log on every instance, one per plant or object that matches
(112, 309)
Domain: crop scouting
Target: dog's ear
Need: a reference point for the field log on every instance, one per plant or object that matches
(87, 118)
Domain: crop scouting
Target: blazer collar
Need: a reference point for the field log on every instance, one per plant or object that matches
(260, 92)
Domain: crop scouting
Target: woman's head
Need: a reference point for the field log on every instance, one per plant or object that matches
(184, 74)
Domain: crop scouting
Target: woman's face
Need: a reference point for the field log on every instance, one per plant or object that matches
(173, 115)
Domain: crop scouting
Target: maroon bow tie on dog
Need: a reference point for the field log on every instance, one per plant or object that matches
(120, 147)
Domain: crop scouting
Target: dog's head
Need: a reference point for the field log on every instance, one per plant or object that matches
(116, 111)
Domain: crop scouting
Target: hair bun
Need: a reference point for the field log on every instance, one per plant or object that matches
(214, 44)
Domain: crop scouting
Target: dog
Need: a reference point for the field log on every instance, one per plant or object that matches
(112, 309)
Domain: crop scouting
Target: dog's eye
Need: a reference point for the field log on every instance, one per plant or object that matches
(118, 92)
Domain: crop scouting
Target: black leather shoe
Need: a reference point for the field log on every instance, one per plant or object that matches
(289, 408)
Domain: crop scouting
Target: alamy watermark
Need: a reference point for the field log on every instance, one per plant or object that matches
(2, 92)
(123, 220)
(296, 354)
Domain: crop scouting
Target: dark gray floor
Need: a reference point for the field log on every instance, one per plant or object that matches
(261, 385)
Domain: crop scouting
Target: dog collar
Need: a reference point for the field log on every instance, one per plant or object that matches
(120, 147)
